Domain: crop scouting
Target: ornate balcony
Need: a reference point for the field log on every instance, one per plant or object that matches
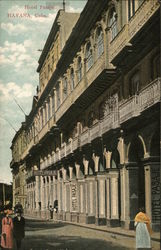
(69, 148)
(125, 110)
(95, 131)
(75, 143)
(147, 97)
(141, 17)
(63, 151)
(85, 137)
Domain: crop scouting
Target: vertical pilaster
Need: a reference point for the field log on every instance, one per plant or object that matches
(37, 192)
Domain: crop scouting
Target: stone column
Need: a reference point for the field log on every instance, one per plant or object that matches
(86, 166)
(59, 192)
(37, 192)
(124, 188)
(114, 198)
(70, 173)
(107, 155)
(77, 166)
(108, 210)
(96, 161)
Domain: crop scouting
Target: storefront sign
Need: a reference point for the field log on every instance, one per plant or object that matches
(74, 197)
(155, 186)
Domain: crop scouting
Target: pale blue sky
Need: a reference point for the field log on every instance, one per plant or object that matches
(20, 39)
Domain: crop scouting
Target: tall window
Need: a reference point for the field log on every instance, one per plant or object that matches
(100, 47)
(58, 95)
(49, 114)
(89, 56)
(101, 111)
(135, 83)
(156, 67)
(45, 110)
(112, 23)
(65, 88)
(72, 79)
(131, 8)
(42, 118)
(53, 104)
(79, 72)
(90, 119)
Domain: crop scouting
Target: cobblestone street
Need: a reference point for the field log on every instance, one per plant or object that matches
(61, 236)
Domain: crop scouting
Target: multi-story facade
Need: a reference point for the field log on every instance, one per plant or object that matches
(18, 167)
(93, 131)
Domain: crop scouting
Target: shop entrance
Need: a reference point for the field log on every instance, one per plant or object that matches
(136, 177)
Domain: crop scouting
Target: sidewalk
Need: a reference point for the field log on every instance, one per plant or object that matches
(114, 231)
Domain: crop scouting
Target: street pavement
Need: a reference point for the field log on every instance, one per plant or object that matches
(47, 235)
(42, 235)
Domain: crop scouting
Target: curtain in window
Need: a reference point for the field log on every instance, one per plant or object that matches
(72, 79)
(113, 24)
(100, 46)
(89, 56)
(79, 72)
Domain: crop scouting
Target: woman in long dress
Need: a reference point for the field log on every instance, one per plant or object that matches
(143, 230)
(7, 232)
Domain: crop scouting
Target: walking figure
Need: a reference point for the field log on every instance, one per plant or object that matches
(51, 211)
(143, 230)
(19, 228)
(7, 232)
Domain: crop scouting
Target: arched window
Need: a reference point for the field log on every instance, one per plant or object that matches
(49, 113)
(100, 45)
(134, 84)
(53, 103)
(72, 79)
(112, 23)
(90, 119)
(58, 94)
(79, 72)
(156, 67)
(101, 111)
(65, 88)
(89, 56)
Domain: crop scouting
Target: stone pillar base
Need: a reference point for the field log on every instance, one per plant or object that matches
(100, 221)
(68, 216)
(60, 216)
(90, 219)
(64, 216)
(75, 217)
(127, 225)
(156, 227)
(82, 218)
(113, 223)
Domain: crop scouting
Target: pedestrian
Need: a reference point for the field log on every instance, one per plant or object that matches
(51, 211)
(7, 232)
(19, 228)
(143, 230)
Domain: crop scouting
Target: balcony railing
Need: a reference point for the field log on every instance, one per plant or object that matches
(69, 148)
(142, 15)
(85, 137)
(124, 111)
(91, 75)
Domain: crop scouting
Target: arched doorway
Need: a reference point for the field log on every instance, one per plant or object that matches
(136, 176)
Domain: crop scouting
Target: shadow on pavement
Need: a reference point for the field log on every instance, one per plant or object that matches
(37, 225)
(51, 242)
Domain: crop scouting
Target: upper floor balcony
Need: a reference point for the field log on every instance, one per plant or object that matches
(126, 110)
(135, 24)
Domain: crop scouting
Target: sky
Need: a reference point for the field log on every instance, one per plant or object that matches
(21, 36)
